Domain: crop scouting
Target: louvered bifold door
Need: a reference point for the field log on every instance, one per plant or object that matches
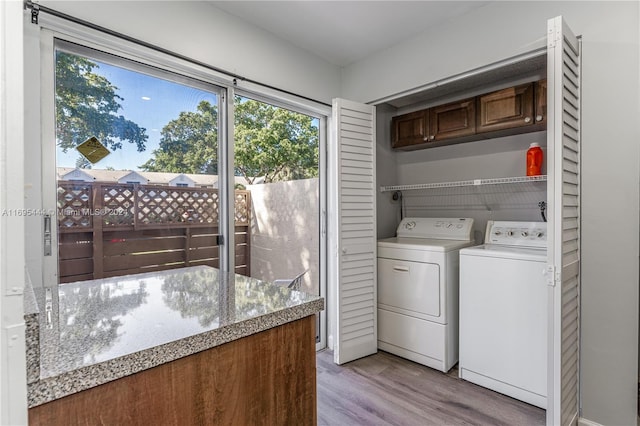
(563, 153)
(354, 136)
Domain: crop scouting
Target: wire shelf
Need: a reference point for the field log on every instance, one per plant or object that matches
(462, 183)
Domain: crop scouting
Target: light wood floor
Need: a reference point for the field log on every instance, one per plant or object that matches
(383, 389)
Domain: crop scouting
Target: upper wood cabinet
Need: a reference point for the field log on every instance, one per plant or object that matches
(409, 129)
(506, 109)
(452, 120)
(510, 111)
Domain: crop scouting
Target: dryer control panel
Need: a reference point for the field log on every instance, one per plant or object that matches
(518, 234)
(436, 228)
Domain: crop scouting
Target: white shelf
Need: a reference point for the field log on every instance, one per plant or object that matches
(474, 182)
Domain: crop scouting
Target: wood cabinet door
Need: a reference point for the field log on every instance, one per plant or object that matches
(505, 109)
(452, 120)
(541, 102)
(409, 129)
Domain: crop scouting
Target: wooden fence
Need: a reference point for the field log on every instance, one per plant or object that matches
(108, 229)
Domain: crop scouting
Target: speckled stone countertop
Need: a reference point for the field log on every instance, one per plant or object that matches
(102, 330)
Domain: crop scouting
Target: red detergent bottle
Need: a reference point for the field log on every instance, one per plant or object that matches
(534, 160)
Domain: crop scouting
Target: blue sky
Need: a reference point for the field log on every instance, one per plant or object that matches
(149, 102)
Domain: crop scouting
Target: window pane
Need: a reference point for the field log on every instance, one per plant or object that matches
(277, 153)
(152, 202)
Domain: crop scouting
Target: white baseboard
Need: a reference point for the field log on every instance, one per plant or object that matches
(585, 422)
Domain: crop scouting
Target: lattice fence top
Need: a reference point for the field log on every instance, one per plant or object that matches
(242, 207)
(75, 205)
(143, 206)
(119, 204)
(170, 205)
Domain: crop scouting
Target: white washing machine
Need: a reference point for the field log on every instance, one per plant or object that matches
(503, 311)
(418, 290)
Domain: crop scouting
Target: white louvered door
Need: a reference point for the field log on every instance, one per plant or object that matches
(356, 310)
(563, 189)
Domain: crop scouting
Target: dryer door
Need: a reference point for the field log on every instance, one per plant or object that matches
(410, 288)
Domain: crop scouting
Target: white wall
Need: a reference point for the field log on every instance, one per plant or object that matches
(387, 210)
(13, 380)
(285, 227)
(491, 158)
(610, 174)
(200, 31)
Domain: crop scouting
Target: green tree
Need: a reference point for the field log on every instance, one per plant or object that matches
(87, 105)
(83, 163)
(270, 142)
(188, 144)
(274, 142)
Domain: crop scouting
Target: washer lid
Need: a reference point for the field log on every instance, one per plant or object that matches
(506, 252)
(425, 244)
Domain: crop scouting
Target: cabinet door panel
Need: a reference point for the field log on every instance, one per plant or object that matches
(452, 120)
(409, 129)
(507, 108)
(541, 102)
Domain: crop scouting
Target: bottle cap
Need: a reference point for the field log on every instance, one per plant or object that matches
(534, 144)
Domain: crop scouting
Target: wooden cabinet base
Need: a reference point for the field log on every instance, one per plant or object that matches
(268, 378)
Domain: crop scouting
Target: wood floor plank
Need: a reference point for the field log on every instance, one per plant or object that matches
(383, 389)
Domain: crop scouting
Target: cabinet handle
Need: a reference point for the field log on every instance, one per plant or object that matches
(527, 119)
(401, 269)
(538, 118)
(432, 137)
(426, 138)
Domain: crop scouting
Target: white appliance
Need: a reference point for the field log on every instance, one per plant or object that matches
(503, 311)
(418, 290)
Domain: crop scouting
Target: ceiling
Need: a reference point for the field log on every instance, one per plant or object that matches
(343, 32)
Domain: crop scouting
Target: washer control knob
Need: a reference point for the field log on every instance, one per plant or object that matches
(509, 233)
(497, 233)
(539, 234)
(524, 233)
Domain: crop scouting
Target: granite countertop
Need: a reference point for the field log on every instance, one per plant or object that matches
(105, 329)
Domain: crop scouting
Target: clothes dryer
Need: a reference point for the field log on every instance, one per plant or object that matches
(418, 290)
